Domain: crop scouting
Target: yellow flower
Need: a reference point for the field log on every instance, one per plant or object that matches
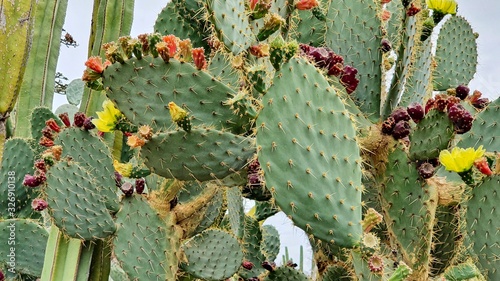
(176, 112)
(460, 160)
(124, 169)
(443, 6)
(108, 118)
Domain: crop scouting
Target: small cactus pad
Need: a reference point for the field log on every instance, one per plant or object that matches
(17, 161)
(145, 243)
(264, 209)
(28, 239)
(252, 240)
(76, 203)
(482, 225)
(431, 135)
(286, 273)
(236, 211)
(309, 155)
(270, 244)
(93, 155)
(350, 33)
(456, 54)
(485, 129)
(464, 271)
(409, 208)
(142, 89)
(335, 273)
(38, 118)
(208, 255)
(231, 24)
(202, 154)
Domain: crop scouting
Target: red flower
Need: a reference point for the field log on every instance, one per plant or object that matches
(95, 63)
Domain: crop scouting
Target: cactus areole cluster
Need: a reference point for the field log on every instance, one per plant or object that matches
(336, 113)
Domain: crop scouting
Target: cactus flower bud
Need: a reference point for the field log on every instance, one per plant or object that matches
(247, 265)
(39, 204)
(482, 165)
(145, 132)
(185, 48)
(123, 169)
(371, 219)
(52, 124)
(95, 64)
(65, 119)
(134, 141)
(177, 113)
(199, 58)
(306, 4)
(45, 141)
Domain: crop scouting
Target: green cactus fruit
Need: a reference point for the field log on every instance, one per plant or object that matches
(231, 24)
(76, 202)
(299, 148)
(286, 273)
(93, 155)
(146, 245)
(484, 130)
(217, 154)
(481, 225)
(351, 35)
(409, 207)
(264, 210)
(150, 84)
(281, 51)
(456, 63)
(23, 249)
(208, 255)
(270, 244)
(431, 135)
(236, 211)
(15, 198)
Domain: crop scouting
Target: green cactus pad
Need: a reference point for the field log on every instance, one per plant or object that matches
(76, 202)
(116, 272)
(252, 240)
(462, 272)
(29, 240)
(484, 129)
(286, 273)
(307, 29)
(394, 25)
(236, 211)
(363, 272)
(352, 32)
(270, 244)
(456, 54)
(221, 68)
(431, 135)
(172, 21)
(482, 225)
(93, 155)
(212, 255)
(309, 155)
(335, 273)
(142, 89)
(191, 9)
(418, 86)
(231, 23)
(264, 209)
(17, 161)
(145, 244)
(445, 238)
(38, 118)
(216, 154)
(409, 208)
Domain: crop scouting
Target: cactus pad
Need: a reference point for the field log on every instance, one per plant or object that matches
(431, 135)
(270, 245)
(208, 255)
(38, 118)
(216, 154)
(286, 273)
(309, 155)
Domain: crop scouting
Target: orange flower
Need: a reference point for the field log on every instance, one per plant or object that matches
(95, 63)
(307, 4)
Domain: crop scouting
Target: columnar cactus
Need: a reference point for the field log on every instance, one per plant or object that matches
(282, 103)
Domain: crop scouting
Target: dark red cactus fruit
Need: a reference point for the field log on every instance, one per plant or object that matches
(416, 111)
(388, 126)
(249, 279)
(199, 58)
(31, 181)
(247, 265)
(48, 133)
(399, 114)
(269, 266)
(2, 276)
(40, 165)
(412, 10)
(305, 49)
(118, 179)
(430, 104)
(462, 91)
(127, 189)
(45, 141)
(87, 124)
(39, 204)
(426, 170)
(401, 130)
(65, 119)
(385, 45)
(349, 79)
(140, 184)
(461, 118)
(291, 264)
(480, 103)
(40, 176)
(52, 124)
(79, 119)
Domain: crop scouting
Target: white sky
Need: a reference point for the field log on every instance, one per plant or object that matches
(484, 16)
